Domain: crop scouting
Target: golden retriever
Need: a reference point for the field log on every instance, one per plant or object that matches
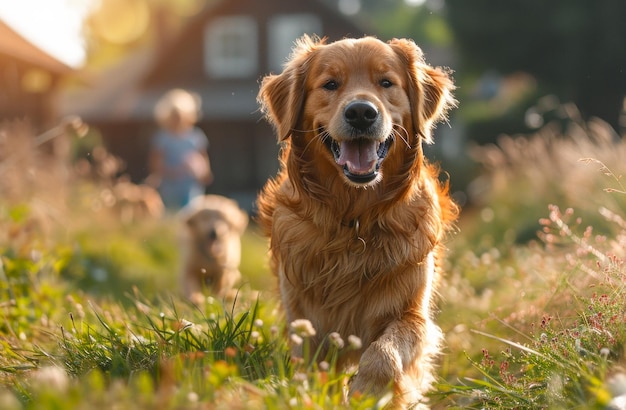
(356, 215)
(211, 245)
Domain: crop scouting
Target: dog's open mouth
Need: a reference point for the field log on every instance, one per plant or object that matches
(360, 158)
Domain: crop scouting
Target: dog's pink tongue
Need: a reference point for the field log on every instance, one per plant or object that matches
(359, 156)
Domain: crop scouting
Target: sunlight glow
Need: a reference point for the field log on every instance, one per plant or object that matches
(55, 26)
(122, 21)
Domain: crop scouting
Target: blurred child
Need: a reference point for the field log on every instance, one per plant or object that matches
(179, 163)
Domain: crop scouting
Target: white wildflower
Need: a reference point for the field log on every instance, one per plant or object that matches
(295, 339)
(303, 328)
(617, 385)
(192, 397)
(336, 340)
(185, 324)
(299, 377)
(355, 342)
(604, 352)
(617, 403)
(136, 340)
(52, 377)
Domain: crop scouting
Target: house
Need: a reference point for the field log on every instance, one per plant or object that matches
(29, 79)
(221, 54)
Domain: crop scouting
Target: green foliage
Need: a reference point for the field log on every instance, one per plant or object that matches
(426, 27)
(107, 259)
(138, 339)
(572, 47)
(255, 265)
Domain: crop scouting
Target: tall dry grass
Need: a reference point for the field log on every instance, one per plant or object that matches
(556, 165)
(534, 299)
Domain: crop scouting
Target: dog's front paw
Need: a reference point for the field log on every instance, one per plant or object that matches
(382, 374)
(378, 369)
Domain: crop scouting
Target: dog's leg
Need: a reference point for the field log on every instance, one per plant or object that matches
(291, 301)
(190, 282)
(400, 358)
(223, 284)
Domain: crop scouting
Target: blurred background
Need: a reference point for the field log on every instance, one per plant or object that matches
(82, 77)
(541, 120)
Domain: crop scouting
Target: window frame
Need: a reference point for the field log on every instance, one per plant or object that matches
(222, 60)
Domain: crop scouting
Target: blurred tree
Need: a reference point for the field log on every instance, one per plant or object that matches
(574, 48)
(420, 20)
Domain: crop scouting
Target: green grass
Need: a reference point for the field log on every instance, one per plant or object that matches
(91, 316)
(531, 328)
(552, 346)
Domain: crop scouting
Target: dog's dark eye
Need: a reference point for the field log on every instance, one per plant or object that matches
(331, 85)
(385, 83)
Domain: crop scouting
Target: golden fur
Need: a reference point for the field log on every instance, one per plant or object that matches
(211, 245)
(357, 248)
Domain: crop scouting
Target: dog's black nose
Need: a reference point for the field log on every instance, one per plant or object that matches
(212, 235)
(360, 114)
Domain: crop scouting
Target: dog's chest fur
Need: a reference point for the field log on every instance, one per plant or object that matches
(339, 275)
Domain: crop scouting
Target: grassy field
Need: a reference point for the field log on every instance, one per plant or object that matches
(532, 306)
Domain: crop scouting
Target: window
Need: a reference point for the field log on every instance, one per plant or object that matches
(284, 30)
(230, 47)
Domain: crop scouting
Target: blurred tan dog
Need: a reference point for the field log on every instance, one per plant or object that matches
(211, 245)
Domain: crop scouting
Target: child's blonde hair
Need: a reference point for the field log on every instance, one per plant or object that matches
(177, 107)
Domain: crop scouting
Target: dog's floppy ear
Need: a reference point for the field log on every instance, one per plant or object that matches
(238, 218)
(282, 96)
(429, 89)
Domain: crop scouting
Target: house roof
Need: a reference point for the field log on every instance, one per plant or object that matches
(114, 95)
(15, 46)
